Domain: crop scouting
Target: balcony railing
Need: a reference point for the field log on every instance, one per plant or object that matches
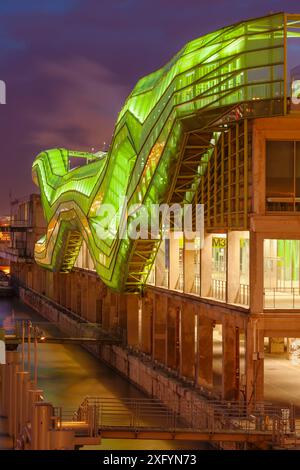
(282, 297)
(218, 289)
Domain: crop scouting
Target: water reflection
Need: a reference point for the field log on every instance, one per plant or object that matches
(67, 373)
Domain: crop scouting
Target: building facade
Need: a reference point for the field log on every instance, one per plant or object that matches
(208, 310)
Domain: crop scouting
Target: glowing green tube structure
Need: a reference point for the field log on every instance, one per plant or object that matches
(234, 73)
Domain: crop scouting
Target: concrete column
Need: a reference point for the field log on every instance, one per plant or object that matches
(132, 320)
(189, 266)
(147, 315)
(230, 365)
(233, 263)
(187, 363)
(160, 265)
(173, 346)
(159, 327)
(256, 272)
(68, 288)
(84, 296)
(106, 309)
(206, 266)
(174, 262)
(254, 362)
(113, 314)
(22, 382)
(42, 413)
(205, 351)
(91, 301)
(122, 312)
(56, 296)
(62, 282)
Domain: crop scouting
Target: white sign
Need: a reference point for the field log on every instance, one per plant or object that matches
(2, 352)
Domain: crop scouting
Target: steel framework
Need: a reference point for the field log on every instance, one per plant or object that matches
(182, 136)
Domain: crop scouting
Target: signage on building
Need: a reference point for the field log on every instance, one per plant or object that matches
(218, 242)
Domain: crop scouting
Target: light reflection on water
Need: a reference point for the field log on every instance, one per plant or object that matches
(67, 373)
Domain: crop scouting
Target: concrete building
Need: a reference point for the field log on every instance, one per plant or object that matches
(209, 313)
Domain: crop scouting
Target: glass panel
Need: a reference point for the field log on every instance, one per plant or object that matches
(279, 175)
(219, 267)
(281, 273)
(162, 264)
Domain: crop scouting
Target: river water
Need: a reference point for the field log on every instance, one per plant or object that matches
(67, 373)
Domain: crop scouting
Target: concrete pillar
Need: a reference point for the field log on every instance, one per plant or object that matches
(84, 296)
(159, 327)
(41, 423)
(230, 364)
(160, 266)
(187, 363)
(22, 387)
(56, 296)
(122, 312)
(254, 362)
(189, 266)
(68, 288)
(132, 320)
(256, 272)
(146, 333)
(9, 386)
(174, 262)
(113, 313)
(233, 266)
(106, 309)
(206, 266)
(62, 284)
(91, 314)
(173, 346)
(205, 351)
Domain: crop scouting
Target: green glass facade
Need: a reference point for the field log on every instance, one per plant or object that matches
(231, 74)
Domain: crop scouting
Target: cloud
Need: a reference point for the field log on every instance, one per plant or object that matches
(87, 100)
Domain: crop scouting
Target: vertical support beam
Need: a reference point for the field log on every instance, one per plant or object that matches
(285, 110)
(245, 174)
(233, 266)
(215, 183)
(132, 320)
(160, 327)
(237, 174)
(205, 351)
(147, 317)
(208, 193)
(187, 368)
(229, 176)
(222, 179)
(173, 345)
(106, 308)
(256, 272)
(174, 262)
(254, 362)
(230, 375)
(188, 266)
(206, 266)
(84, 294)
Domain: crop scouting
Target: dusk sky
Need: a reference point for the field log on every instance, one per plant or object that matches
(69, 64)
